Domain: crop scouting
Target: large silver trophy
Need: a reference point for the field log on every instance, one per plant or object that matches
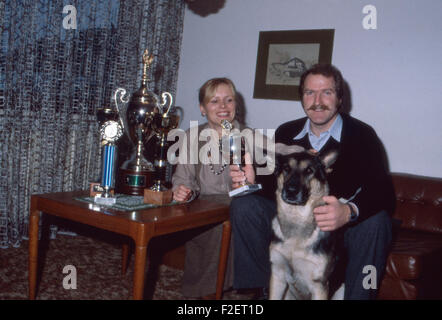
(136, 172)
(236, 152)
(110, 131)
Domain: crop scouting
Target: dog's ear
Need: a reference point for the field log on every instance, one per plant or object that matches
(328, 159)
(283, 149)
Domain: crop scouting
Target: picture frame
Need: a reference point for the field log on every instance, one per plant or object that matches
(284, 55)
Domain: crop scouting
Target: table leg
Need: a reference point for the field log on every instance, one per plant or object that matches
(139, 270)
(34, 218)
(224, 253)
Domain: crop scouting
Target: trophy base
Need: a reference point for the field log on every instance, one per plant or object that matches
(246, 189)
(157, 197)
(98, 199)
(95, 189)
(133, 182)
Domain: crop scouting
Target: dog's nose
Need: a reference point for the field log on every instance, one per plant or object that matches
(292, 197)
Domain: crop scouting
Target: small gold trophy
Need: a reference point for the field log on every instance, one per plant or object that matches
(163, 122)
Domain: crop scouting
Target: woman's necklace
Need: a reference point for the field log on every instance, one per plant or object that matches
(211, 167)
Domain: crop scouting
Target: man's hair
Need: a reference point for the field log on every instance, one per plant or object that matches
(326, 70)
(207, 90)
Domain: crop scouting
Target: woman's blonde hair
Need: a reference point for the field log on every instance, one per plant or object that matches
(207, 90)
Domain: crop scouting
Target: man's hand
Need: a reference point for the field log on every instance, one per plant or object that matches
(239, 176)
(182, 193)
(333, 215)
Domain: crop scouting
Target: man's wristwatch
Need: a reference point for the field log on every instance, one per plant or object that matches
(353, 214)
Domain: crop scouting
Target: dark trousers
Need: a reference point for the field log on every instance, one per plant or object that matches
(366, 245)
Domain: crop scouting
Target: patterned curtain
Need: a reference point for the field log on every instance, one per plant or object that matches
(53, 79)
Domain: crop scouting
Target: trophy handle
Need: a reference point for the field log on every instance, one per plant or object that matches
(166, 95)
(123, 93)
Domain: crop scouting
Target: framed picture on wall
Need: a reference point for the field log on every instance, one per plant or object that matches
(284, 55)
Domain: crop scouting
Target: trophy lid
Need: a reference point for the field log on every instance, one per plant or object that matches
(143, 96)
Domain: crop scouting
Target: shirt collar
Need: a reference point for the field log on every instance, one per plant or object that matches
(334, 131)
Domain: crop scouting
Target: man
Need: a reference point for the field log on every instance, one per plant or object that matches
(361, 192)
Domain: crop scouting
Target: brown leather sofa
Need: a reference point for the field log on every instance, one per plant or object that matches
(414, 266)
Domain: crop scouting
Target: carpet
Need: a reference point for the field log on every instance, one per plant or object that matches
(94, 257)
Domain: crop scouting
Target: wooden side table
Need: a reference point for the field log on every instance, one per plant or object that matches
(140, 225)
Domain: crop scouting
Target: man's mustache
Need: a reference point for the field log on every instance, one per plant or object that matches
(318, 107)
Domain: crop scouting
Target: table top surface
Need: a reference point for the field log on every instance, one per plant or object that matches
(64, 204)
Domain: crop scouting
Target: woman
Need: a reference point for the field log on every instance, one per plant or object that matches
(217, 99)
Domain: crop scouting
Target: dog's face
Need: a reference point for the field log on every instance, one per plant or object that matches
(301, 174)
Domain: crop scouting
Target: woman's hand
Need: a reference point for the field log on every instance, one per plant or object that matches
(182, 193)
(246, 173)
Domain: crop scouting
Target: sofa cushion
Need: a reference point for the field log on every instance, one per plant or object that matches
(414, 253)
(419, 215)
(397, 289)
(419, 202)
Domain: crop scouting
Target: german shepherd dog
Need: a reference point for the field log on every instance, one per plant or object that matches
(302, 256)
